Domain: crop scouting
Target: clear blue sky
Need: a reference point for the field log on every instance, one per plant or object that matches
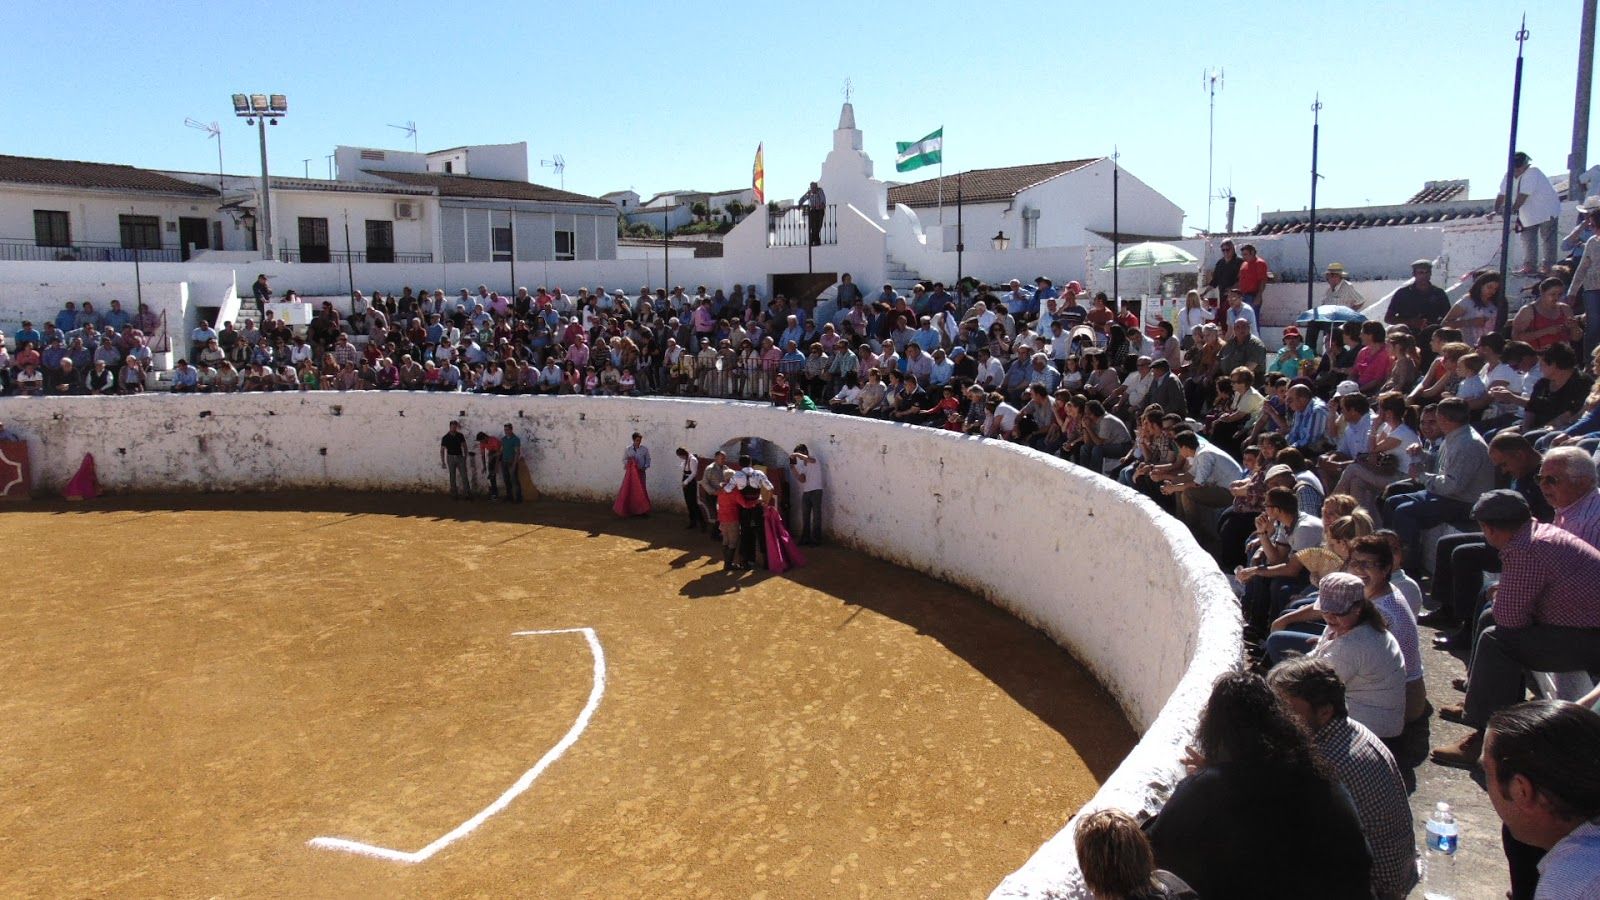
(656, 96)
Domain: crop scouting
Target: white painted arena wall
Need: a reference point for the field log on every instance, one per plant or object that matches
(1121, 586)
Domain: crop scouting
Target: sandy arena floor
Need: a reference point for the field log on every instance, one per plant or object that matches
(198, 686)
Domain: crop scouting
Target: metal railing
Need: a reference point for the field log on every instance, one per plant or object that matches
(354, 256)
(12, 250)
(792, 228)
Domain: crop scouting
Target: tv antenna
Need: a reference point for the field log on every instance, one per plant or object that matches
(559, 163)
(410, 128)
(212, 130)
(1211, 80)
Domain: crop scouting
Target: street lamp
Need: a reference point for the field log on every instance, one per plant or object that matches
(1000, 241)
(258, 110)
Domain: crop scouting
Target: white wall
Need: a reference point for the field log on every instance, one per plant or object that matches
(93, 217)
(37, 290)
(1119, 584)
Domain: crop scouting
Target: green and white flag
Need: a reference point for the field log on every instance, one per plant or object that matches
(926, 152)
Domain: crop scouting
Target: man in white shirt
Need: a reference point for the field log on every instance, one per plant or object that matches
(1538, 764)
(1537, 206)
(1202, 488)
(807, 470)
(690, 473)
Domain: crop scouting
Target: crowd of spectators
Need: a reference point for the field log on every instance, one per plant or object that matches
(1323, 474)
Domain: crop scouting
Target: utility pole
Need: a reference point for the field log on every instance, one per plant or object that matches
(961, 246)
(1578, 161)
(1511, 158)
(1311, 241)
(1116, 231)
(1213, 84)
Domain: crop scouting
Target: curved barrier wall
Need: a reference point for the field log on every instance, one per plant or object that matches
(1121, 586)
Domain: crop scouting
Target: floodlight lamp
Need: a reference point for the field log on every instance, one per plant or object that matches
(241, 104)
(279, 103)
(258, 102)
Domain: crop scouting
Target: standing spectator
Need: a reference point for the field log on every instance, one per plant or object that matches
(261, 290)
(712, 479)
(453, 459)
(1537, 207)
(1253, 276)
(488, 459)
(807, 471)
(1545, 616)
(815, 203)
(1585, 290)
(1539, 767)
(1225, 273)
(510, 457)
(1239, 826)
(690, 475)
(1420, 304)
(1363, 764)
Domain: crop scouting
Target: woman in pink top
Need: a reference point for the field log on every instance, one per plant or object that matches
(1373, 361)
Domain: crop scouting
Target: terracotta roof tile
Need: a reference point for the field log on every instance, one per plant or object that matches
(983, 185)
(105, 176)
(488, 188)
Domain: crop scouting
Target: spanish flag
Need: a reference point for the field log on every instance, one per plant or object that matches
(758, 176)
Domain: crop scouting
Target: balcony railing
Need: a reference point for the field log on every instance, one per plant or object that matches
(83, 251)
(792, 228)
(354, 256)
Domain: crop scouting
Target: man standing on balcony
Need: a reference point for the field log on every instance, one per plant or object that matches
(815, 203)
(1537, 207)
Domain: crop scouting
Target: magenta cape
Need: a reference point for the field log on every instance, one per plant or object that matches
(84, 485)
(632, 500)
(782, 552)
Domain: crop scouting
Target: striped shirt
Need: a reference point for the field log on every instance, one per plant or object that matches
(1571, 870)
(1582, 518)
(1310, 425)
(1368, 771)
(1547, 578)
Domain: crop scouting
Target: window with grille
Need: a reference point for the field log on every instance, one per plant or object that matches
(50, 228)
(140, 232)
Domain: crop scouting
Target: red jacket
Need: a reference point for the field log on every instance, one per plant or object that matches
(728, 505)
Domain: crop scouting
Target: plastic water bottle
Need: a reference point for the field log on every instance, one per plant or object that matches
(1439, 874)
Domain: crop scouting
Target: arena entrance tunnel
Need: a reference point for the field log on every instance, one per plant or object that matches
(1095, 567)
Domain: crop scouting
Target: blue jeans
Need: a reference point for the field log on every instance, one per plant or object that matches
(1412, 514)
(1591, 325)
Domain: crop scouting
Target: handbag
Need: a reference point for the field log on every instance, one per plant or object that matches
(1381, 463)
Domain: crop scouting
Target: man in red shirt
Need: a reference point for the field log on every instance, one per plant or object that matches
(1253, 275)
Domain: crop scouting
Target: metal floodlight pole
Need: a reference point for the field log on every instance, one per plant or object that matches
(1511, 158)
(1311, 240)
(1116, 232)
(511, 222)
(266, 195)
(138, 281)
(666, 254)
(349, 266)
(961, 246)
(1578, 161)
(1213, 79)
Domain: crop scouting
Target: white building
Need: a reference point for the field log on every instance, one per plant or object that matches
(54, 209)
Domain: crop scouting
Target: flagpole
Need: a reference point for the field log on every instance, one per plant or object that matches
(941, 174)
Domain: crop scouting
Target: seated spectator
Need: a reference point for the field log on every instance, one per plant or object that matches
(100, 379)
(1117, 862)
(1357, 643)
(1544, 617)
(1461, 474)
(1203, 489)
(1239, 826)
(1567, 477)
(1284, 531)
(1312, 689)
(1538, 764)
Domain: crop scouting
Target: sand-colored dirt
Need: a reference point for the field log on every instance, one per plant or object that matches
(197, 686)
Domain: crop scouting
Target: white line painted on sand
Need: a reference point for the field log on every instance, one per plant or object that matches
(522, 784)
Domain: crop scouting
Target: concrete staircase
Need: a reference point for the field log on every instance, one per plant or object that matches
(898, 274)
